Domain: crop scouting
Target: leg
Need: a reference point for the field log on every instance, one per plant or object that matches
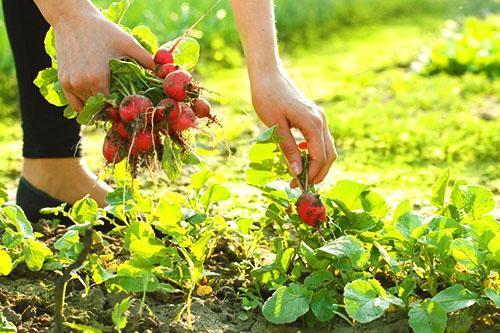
(51, 150)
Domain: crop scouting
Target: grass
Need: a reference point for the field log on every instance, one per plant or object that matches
(392, 127)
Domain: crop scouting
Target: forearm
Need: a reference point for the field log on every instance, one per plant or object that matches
(55, 11)
(255, 22)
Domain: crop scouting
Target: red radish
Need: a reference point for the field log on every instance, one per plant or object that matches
(201, 108)
(311, 209)
(163, 70)
(143, 141)
(120, 128)
(112, 113)
(164, 56)
(111, 150)
(186, 120)
(171, 106)
(133, 106)
(302, 145)
(177, 83)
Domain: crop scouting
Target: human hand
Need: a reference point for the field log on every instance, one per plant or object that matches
(84, 46)
(278, 101)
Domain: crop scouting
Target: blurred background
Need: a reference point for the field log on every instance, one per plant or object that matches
(409, 86)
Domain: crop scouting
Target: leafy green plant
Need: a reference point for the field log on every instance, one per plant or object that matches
(434, 266)
(469, 47)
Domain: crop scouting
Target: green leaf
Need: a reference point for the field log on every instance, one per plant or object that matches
(67, 241)
(50, 88)
(119, 315)
(260, 177)
(134, 278)
(147, 248)
(214, 193)
(200, 248)
(267, 136)
(406, 288)
(348, 192)
(311, 257)
(366, 300)
(186, 53)
(403, 207)
(146, 37)
(6, 326)
(439, 241)
(348, 249)
(455, 298)
(200, 178)
(410, 225)
(439, 189)
(427, 317)
(5, 263)
(262, 152)
(35, 253)
(82, 328)
(16, 217)
(50, 44)
(465, 253)
(170, 214)
(387, 258)
(85, 210)
(93, 105)
(317, 278)
(69, 112)
(287, 304)
(172, 159)
(116, 10)
(478, 201)
(323, 304)
(493, 295)
(374, 204)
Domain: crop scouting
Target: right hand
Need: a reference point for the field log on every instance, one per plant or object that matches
(84, 47)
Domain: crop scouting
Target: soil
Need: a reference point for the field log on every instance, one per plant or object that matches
(26, 299)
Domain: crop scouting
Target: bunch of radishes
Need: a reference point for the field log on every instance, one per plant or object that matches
(137, 125)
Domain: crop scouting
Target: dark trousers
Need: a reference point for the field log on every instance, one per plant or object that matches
(47, 134)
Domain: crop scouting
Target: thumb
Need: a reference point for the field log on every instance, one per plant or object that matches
(290, 150)
(142, 56)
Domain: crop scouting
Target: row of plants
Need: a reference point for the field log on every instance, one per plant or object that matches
(363, 261)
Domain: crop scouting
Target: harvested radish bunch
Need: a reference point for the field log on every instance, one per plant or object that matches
(311, 209)
(148, 115)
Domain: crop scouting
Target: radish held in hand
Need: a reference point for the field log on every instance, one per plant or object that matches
(133, 106)
(311, 209)
(121, 130)
(186, 120)
(112, 150)
(143, 142)
(164, 56)
(112, 113)
(177, 83)
(163, 70)
(170, 106)
(201, 108)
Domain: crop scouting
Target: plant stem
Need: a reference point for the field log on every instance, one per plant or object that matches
(61, 283)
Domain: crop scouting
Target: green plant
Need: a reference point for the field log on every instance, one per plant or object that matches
(366, 261)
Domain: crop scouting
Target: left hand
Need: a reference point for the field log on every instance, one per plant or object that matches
(278, 101)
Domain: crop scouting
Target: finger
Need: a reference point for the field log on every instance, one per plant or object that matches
(75, 102)
(100, 83)
(290, 150)
(139, 53)
(313, 134)
(331, 155)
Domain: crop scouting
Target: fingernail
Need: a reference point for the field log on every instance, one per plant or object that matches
(296, 168)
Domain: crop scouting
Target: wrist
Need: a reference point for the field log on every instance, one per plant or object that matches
(61, 13)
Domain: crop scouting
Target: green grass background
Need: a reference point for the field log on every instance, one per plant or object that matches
(393, 127)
